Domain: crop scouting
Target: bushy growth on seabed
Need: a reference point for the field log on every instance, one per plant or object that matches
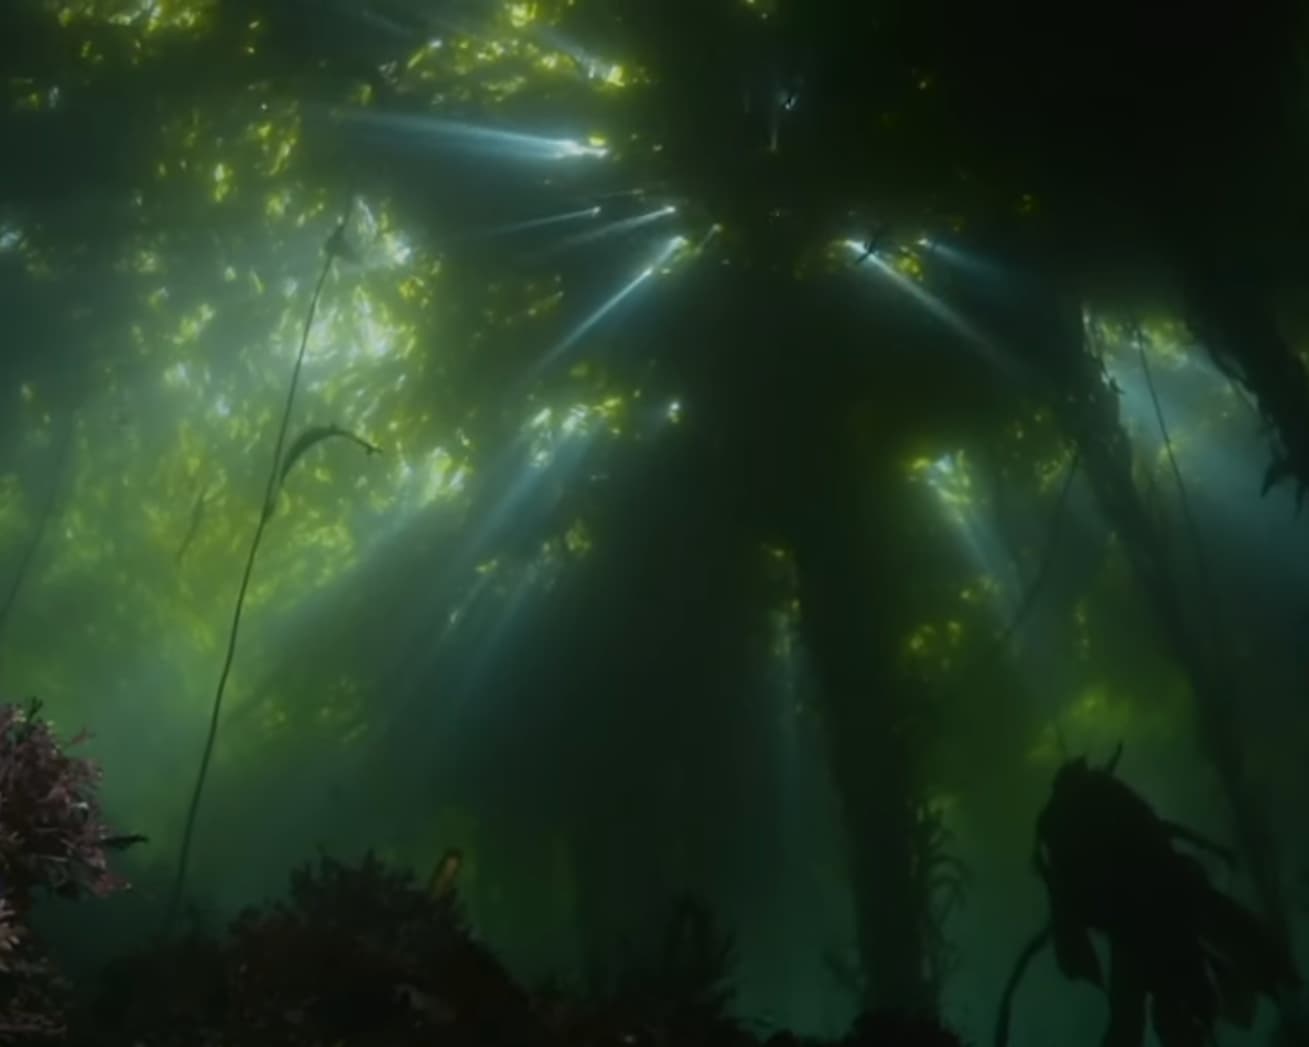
(363, 955)
(354, 955)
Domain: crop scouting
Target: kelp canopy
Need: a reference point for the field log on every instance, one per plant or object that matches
(802, 424)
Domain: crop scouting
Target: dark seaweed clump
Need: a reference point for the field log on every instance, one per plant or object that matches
(362, 955)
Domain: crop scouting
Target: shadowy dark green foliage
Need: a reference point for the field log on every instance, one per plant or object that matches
(680, 983)
(902, 1028)
(354, 954)
(1180, 951)
(359, 954)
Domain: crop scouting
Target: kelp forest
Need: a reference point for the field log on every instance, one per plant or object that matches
(616, 522)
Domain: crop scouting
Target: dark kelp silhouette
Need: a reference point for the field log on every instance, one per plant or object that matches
(1110, 865)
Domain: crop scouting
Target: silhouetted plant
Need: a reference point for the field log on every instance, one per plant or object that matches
(370, 903)
(943, 879)
(31, 994)
(362, 951)
(682, 987)
(174, 995)
(901, 1029)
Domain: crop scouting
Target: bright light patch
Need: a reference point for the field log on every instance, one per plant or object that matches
(442, 477)
(396, 249)
(367, 233)
(553, 434)
(222, 182)
(568, 147)
(375, 336)
(521, 15)
(674, 245)
(10, 238)
(574, 421)
(948, 476)
(577, 539)
(193, 324)
(673, 412)
(604, 71)
(141, 16)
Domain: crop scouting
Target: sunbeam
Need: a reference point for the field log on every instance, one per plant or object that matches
(529, 224)
(616, 228)
(420, 131)
(665, 254)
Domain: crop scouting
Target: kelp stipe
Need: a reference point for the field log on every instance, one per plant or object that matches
(335, 247)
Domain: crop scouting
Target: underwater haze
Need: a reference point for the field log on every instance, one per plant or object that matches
(595, 453)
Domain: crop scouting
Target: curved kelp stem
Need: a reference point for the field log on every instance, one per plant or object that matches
(274, 475)
(1037, 942)
(47, 513)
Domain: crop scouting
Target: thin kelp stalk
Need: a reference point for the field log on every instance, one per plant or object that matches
(335, 247)
(1004, 1019)
(1047, 560)
(47, 514)
(1183, 496)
